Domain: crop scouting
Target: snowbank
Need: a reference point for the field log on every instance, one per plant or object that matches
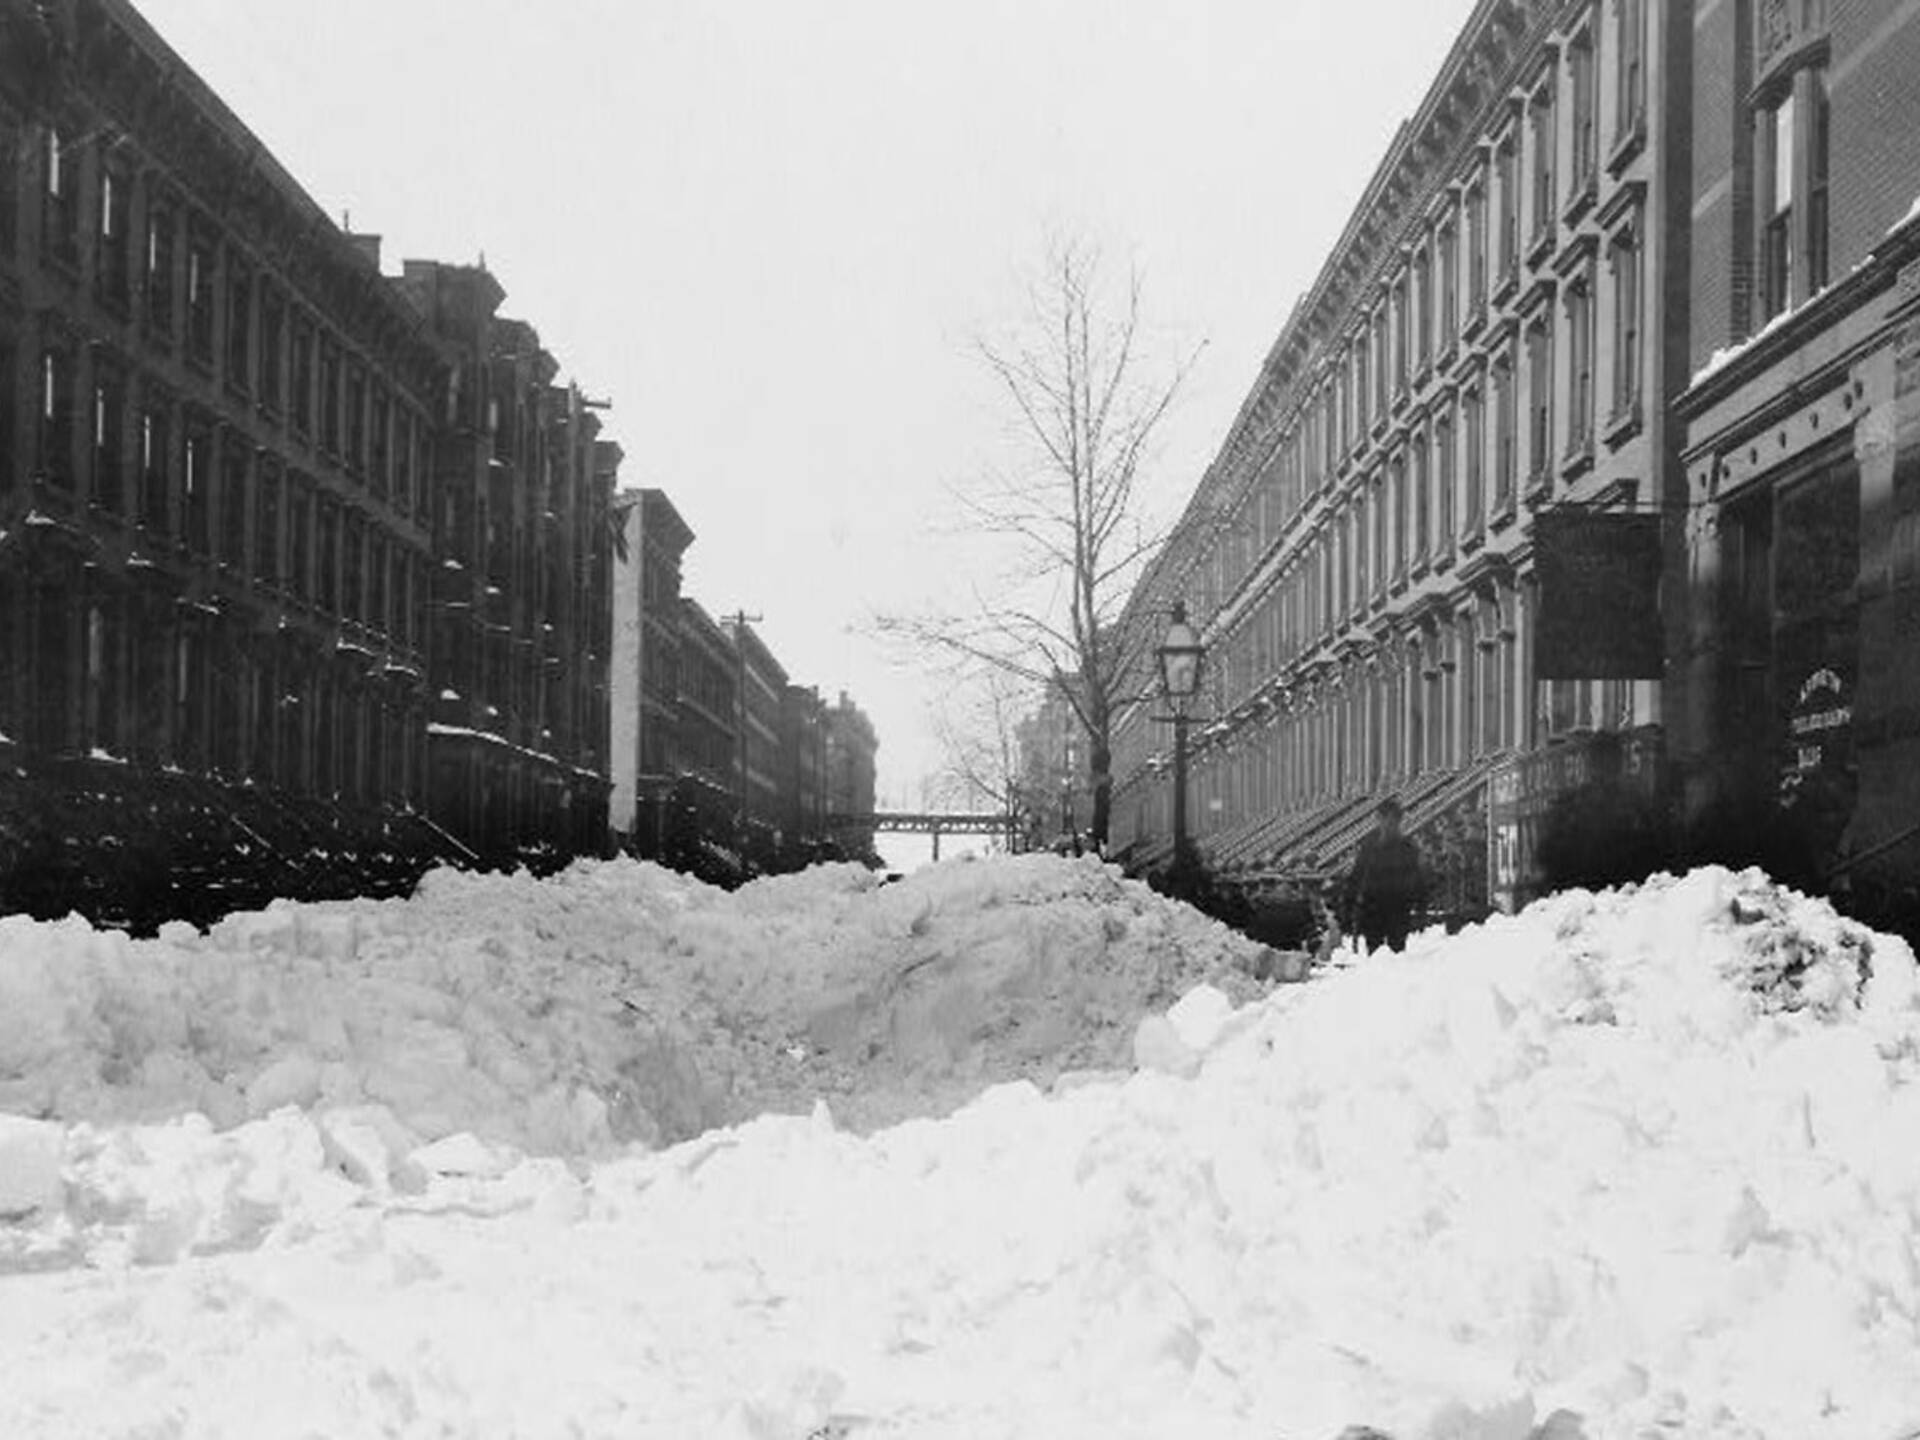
(1630, 1164)
(616, 1002)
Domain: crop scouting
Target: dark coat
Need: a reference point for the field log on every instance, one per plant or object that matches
(1386, 884)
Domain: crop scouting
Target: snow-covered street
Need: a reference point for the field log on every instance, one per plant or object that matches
(617, 1155)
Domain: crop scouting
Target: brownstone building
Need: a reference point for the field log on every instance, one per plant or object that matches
(1472, 393)
(239, 468)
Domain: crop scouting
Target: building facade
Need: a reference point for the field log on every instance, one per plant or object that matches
(230, 450)
(651, 542)
(1486, 354)
(1802, 436)
(852, 747)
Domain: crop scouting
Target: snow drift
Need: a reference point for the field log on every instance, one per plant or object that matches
(1641, 1163)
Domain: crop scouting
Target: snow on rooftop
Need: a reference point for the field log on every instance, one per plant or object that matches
(1727, 354)
(1620, 1165)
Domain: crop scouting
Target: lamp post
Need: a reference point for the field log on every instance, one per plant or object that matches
(1180, 656)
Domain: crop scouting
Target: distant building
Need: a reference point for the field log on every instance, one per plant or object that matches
(651, 543)
(523, 621)
(851, 750)
(762, 697)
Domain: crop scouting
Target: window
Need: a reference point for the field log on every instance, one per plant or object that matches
(266, 527)
(1449, 283)
(7, 422)
(1541, 117)
(300, 536)
(1443, 479)
(109, 418)
(10, 174)
(1421, 498)
(1505, 440)
(1397, 482)
(1581, 62)
(1506, 179)
(1382, 357)
(403, 459)
(156, 455)
(356, 418)
(377, 582)
(329, 399)
(1422, 290)
(1402, 327)
(1580, 363)
(302, 366)
(239, 324)
(194, 483)
(1624, 262)
(55, 447)
(59, 202)
(353, 583)
(200, 297)
(1382, 540)
(112, 271)
(1817, 162)
(1474, 421)
(1630, 31)
(233, 504)
(1776, 207)
(327, 565)
(1362, 386)
(159, 274)
(1476, 251)
(273, 336)
(378, 448)
(1540, 398)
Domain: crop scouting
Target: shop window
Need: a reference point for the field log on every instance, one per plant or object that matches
(103, 701)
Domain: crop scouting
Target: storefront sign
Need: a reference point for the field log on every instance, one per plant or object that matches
(1819, 727)
(1599, 595)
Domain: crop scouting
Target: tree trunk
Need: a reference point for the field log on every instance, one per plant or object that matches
(1100, 764)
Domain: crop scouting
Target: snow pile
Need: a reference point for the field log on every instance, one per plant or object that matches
(1624, 1165)
(616, 1002)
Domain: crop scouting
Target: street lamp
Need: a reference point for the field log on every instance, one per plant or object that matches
(1180, 656)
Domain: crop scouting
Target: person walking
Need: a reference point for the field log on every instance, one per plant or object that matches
(1386, 883)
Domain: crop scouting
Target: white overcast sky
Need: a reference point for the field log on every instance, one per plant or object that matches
(769, 231)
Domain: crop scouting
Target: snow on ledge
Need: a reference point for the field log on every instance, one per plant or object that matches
(1913, 214)
(1727, 354)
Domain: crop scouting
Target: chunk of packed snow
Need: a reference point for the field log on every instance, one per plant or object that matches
(1625, 1164)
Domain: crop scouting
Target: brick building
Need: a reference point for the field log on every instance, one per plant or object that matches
(235, 464)
(1486, 357)
(522, 594)
(1802, 433)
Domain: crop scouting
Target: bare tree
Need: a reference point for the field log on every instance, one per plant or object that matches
(1084, 413)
